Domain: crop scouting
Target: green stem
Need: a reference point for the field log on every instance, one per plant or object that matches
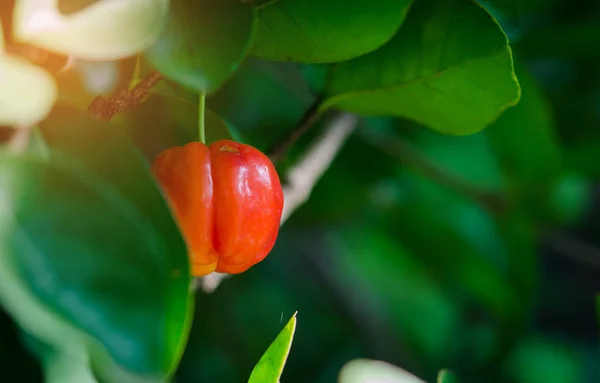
(201, 110)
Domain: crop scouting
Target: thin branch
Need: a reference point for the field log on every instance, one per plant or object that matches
(317, 159)
(302, 177)
(399, 149)
(107, 108)
(307, 122)
(573, 248)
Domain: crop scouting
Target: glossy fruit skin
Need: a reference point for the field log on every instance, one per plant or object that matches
(227, 199)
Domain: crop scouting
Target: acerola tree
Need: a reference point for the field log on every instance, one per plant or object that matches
(148, 143)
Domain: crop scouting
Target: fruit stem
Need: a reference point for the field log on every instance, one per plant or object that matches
(201, 109)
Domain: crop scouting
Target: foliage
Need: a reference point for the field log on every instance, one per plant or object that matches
(452, 239)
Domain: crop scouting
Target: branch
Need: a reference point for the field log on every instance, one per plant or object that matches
(106, 108)
(317, 159)
(307, 122)
(399, 149)
(302, 178)
(573, 248)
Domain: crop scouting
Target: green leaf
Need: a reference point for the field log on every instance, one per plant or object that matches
(530, 360)
(204, 43)
(315, 31)
(270, 366)
(369, 262)
(365, 371)
(449, 67)
(264, 101)
(524, 138)
(526, 143)
(445, 376)
(92, 260)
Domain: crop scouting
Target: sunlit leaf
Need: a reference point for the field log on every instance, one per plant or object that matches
(429, 74)
(270, 366)
(315, 31)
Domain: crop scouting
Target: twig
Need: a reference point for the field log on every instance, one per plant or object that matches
(302, 177)
(317, 159)
(573, 248)
(106, 108)
(307, 122)
(399, 149)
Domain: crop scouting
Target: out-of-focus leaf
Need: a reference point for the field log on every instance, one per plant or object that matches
(524, 138)
(569, 198)
(428, 74)
(468, 158)
(521, 7)
(539, 360)
(366, 371)
(315, 31)
(393, 284)
(93, 261)
(572, 40)
(204, 43)
(446, 376)
(264, 101)
(526, 142)
(270, 366)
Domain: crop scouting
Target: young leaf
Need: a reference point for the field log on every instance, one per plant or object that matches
(204, 43)
(270, 366)
(366, 371)
(449, 67)
(315, 31)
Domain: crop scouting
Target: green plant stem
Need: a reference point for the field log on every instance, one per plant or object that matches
(201, 113)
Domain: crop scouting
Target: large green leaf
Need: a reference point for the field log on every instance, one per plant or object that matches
(270, 366)
(91, 255)
(204, 42)
(449, 67)
(315, 31)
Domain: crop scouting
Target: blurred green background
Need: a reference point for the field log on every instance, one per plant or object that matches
(475, 253)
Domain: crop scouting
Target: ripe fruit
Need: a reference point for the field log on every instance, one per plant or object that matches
(228, 201)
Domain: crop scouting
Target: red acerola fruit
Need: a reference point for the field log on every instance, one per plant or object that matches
(228, 201)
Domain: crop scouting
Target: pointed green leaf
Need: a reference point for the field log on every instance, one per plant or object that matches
(449, 67)
(270, 366)
(316, 31)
